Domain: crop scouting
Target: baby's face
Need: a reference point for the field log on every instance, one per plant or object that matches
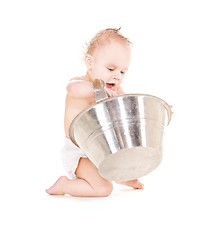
(110, 63)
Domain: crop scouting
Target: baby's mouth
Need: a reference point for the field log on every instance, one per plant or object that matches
(110, 85)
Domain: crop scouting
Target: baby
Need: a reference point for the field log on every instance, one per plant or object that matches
(107, 58)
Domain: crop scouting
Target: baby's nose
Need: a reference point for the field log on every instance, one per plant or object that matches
(117, 76)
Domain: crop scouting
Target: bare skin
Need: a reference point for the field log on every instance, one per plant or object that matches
(108, 63)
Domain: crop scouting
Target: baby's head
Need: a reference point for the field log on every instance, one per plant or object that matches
(108, 57)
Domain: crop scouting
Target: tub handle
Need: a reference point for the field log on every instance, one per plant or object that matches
(168, 109)
(99, 90)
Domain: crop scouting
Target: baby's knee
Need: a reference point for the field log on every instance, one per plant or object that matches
(105, 190)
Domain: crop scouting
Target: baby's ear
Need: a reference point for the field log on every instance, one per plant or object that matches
(88, 61)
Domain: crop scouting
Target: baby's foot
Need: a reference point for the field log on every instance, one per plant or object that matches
(57, 188)
(136, 184)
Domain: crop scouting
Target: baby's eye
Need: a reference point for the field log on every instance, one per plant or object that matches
(110, 69)
(122, 72)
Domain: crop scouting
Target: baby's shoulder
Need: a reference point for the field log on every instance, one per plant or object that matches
(78, 82)
(79, 87)
(78, 79)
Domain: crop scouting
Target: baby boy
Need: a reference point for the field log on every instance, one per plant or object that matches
(107, 58)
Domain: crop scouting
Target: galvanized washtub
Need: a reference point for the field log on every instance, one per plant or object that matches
(122, 135)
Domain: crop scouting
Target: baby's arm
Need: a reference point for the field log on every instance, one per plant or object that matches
(80, 89)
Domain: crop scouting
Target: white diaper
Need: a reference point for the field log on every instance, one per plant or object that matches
(70, 155)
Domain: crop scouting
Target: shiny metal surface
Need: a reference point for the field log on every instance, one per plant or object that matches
(100, 93)
(122, 135)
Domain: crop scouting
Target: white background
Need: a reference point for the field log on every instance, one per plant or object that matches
(177, 55)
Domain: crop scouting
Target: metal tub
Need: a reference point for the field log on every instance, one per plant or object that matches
(122, 135)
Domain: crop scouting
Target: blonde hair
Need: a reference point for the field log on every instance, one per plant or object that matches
(103, 37)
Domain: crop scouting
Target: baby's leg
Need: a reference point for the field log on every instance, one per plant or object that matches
(89, 182)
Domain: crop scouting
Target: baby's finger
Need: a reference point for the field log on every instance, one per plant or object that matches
(110, 92)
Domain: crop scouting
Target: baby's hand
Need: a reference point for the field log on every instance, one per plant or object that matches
(110, 92)
(171, 108)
